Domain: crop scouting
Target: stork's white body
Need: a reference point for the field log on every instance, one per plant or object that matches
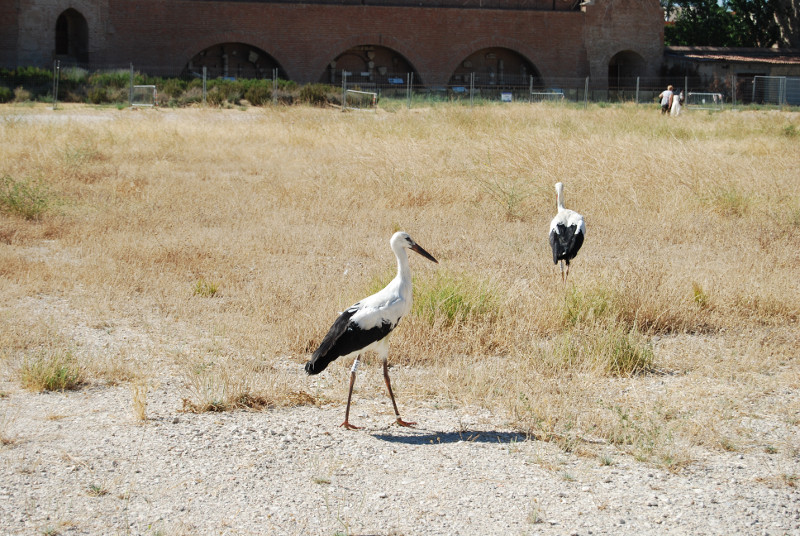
(366, 325)
(567, 232)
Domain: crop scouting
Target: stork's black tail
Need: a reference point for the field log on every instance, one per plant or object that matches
(326, 353)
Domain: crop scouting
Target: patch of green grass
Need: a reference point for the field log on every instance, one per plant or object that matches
(586, 306)
(509, 196)
(205, 289)
(621, 351)
(700, 297)
(29, 199)
(52, 371)
(730, 201)
(449, 298)
(96, 490)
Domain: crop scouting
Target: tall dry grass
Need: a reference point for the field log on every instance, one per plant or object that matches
(693, 236)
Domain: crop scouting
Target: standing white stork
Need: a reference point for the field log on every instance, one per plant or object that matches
(366, 325)
(567, 232)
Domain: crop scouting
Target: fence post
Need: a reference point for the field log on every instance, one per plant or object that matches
(733, 90)
(471, 89)
(56, 76)
(130, 96)
(205, 71)
(408, 89)
(586, 94)
(275, 86)
(637, 90)
(344, 90)
(530, 90)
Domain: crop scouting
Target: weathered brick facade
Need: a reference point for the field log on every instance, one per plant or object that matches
(556, 37)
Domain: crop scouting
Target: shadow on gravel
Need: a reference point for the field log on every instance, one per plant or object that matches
(428, 438)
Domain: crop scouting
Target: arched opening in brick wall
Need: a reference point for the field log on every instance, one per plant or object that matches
(72, 38)
(623, 69)
(234, 60)
(370, 64)
(496, 67)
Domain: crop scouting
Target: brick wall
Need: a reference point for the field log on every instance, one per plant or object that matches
(304, 38)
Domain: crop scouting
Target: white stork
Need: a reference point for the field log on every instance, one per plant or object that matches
(366, 325)
(567, 232)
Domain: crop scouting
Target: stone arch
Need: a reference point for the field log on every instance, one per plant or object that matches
(496, 67)
(234, 60)
(624, 67)
(370, 64)
(72, 37)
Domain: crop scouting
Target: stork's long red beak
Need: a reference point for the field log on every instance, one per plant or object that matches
(416, 247)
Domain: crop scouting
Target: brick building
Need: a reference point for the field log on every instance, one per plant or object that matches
(440, 41)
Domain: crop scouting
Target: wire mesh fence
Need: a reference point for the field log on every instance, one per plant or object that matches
(115, 85)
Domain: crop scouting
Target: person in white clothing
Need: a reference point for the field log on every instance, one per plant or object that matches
(666, 97)
(677, 105)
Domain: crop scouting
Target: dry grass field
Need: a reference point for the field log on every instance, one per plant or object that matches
(217, 246)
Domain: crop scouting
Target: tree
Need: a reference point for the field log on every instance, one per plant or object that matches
(753, 23)
(700, 23)
(787, 16)
(733, 23)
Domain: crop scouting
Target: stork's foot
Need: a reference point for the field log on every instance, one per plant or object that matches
(349, 426)
(401, 422)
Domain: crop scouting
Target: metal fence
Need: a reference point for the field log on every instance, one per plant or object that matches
(115, 85)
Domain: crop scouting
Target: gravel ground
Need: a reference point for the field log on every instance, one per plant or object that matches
(79, 463)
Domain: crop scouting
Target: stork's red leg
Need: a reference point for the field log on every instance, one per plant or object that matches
(399, 421)
(346, 422)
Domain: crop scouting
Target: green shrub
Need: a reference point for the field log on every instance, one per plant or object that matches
(6, 94)
(117, 79)
(21, 94)
(171, 87)
(51, 371)
(97, 95)
(316, 94)
(23, 198)
(258, 94)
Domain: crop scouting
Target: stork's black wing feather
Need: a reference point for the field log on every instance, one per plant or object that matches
(345, 337)
(565, 243)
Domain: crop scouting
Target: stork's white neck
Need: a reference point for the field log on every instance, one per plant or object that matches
(403, 271)
(560, 192)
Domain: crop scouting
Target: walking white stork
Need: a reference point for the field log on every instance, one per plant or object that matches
(567, 232)
(366, 325)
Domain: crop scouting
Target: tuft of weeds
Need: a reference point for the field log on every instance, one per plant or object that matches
(205, 289)
(600, 342)
(25, 198)
(587, 306)
(52, 370)
(730, 201)
(509, 197)
(699, 295)
(139, 389)
(96, 490)
(447, 299)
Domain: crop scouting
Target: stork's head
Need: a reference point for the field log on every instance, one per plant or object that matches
(401, 239)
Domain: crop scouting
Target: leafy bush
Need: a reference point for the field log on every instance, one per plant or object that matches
(5, 94)
(317, 94)
(51, 371)
(172, 87)
(21, 94)
(258, 94)
(98, 95)
(23, 198)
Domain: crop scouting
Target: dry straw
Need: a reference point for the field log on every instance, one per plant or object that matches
(231, 239)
